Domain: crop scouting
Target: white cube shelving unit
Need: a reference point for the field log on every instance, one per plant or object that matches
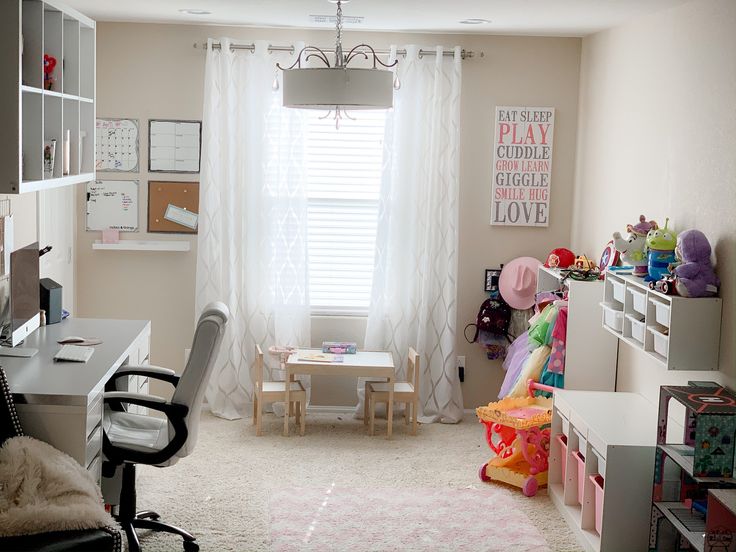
(590, 352)
(31, 115)
(617, 436)
(681, 333)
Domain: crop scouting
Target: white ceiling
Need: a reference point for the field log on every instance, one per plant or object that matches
(529, 17)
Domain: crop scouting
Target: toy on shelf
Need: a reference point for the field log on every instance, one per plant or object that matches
(661, 243)
(609, 257)
(666, 285)
(584, 263)
(560, 258)
(704, 458)
(518, 431)
(694, 275)
(633, 247)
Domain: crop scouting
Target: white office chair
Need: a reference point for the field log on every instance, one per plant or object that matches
(131, 439)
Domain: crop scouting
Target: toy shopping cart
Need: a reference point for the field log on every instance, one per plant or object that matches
(517, 430)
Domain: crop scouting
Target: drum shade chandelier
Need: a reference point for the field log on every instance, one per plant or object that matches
(337, 88)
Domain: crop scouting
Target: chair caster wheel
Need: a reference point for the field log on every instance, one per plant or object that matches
(191, 546)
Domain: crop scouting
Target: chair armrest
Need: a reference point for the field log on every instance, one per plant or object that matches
(148, 401)
(155, 372)
(173, 411)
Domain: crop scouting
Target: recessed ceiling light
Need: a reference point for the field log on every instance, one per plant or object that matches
(474, 21)
(195, 12)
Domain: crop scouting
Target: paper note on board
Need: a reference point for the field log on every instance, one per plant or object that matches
(181, 216)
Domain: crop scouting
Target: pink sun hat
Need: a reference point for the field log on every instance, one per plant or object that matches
(518, 282)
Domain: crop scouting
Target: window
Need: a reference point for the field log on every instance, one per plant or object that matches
(343, 183)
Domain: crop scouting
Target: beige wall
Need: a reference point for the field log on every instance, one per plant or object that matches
(657, 136)
(152, 71)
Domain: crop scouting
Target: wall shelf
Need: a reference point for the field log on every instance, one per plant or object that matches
(143, 245)
(32, 116)
(680, 333)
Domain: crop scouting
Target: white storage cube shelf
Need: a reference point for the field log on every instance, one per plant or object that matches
(679, 332)
(584, 334)
(616, 433)
(36, 115)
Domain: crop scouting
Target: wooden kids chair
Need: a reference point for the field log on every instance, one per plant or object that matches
(404, 391)
(275, 391)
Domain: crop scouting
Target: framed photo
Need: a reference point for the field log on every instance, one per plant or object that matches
(491, 282)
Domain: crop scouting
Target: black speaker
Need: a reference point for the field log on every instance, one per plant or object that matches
(51, 300)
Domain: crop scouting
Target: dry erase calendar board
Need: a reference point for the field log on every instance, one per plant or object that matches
(174, 146)
(117, 145)
(112, 204)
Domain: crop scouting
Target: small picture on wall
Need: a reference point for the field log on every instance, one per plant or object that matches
(492, 276)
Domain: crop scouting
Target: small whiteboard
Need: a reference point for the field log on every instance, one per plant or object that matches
(117, 145)
(174, 146)
(112, 204)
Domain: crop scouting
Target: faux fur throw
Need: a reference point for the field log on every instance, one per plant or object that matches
(42, 489)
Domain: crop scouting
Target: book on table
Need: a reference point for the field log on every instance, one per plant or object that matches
(317, 356)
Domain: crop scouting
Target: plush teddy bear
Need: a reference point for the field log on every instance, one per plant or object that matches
(694, 276)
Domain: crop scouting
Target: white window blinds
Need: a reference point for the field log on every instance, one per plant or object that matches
(343, 183)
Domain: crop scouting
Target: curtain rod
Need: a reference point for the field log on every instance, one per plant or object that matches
(464, 54)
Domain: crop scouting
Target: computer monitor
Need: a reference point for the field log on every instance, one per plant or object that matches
(24, 293)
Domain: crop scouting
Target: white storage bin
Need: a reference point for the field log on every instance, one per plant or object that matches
(662, 312)
(638, 300)
(661, 341)
(618, 290)
(638, 330)
(612, 317)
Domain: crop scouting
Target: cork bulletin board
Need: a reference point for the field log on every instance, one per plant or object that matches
(173, 207)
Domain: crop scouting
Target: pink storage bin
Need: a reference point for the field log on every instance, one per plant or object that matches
(598, 486)
(580, 459)
(562, 439)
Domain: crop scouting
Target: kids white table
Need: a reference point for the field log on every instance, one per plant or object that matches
(368, 364)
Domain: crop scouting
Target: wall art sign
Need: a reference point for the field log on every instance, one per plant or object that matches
(522, 166)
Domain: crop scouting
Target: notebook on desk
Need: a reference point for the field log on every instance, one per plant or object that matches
(74, 353)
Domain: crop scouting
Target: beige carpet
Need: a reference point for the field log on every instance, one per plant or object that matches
(221, 493)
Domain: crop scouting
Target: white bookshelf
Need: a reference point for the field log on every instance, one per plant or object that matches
(590, 352)
(680, 333)
(616, 432)
(28, 30)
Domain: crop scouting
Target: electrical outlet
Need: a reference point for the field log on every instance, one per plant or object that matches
(461, 368)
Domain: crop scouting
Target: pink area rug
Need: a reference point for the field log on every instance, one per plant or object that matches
(383, 519)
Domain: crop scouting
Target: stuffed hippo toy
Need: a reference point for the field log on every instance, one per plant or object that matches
(694, 276)
(633, 247)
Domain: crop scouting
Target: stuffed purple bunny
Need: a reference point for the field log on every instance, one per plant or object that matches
(694, 277)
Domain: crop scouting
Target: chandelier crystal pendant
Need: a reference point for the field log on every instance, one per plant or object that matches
(337, 88)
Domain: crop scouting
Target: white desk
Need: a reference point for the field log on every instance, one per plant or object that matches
(370, 364)
(61, 402)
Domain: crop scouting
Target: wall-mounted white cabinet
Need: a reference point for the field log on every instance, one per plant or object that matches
(32, 114)
(603, 442)
(681, 333)
(590, 352)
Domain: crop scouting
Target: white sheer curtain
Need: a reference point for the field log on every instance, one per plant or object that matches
(252, 249)
(414, 297)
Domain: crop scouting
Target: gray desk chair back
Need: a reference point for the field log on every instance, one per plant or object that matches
(202, 357)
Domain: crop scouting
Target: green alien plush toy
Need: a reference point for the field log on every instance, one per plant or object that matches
(661, 243)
